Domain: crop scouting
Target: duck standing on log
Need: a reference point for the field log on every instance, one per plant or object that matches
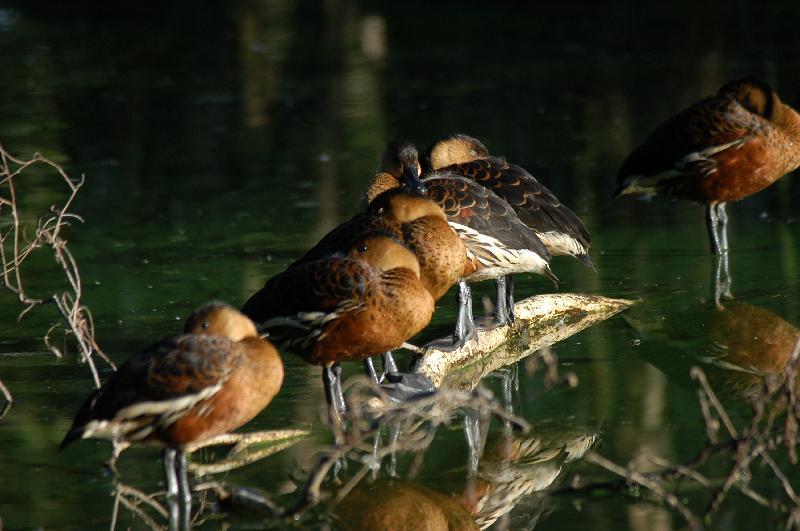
(421, 224)
(558, 228)
(345, 307)
(497, 242)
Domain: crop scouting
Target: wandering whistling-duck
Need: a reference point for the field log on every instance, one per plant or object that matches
(559, 229)
(421, 224)
(721, 149)
(346, 306)
(210, 380)
(497, 242)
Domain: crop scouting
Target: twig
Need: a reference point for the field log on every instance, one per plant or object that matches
(646, 482)
(787, 486)
(6, 393)
(698, 374)
(14, 251)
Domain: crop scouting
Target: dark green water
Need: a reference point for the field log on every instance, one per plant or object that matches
(219, 142)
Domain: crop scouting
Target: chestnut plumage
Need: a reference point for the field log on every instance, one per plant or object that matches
(211, 379)
(721, 149)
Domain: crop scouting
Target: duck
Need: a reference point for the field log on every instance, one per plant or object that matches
(400, 504)
(416, 220)
(213, 378)
(719, 150)
(421, 224)
(497, 242)
(559, 228)
(345, 307)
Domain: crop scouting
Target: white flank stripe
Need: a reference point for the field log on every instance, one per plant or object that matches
(497, 259)
(127, 422)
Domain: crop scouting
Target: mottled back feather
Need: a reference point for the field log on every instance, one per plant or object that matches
(533, 202)
(174, 367)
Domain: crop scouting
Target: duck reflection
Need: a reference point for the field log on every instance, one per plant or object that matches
(753, 342)
(744, 340)
(516, 467)
(400, 505)
(511, 471)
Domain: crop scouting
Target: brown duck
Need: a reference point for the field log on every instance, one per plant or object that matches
(721, 149)
(559, 229)
(210, 380)
(497, 242)
(346, 306)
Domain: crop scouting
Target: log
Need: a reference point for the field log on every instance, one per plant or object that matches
(541, 320)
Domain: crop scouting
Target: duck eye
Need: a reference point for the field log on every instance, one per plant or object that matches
(205, 324)
(379, 211)
(362, 248)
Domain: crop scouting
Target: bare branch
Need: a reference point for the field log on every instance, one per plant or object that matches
(16, 247)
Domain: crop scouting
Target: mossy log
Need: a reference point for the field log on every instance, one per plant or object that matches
(541, 320)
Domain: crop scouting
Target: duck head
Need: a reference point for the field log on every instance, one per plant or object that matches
(454, 149)
(220, 319)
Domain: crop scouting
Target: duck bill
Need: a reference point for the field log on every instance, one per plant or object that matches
(412, 182)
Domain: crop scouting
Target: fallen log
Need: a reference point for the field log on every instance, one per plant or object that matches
(541, 320)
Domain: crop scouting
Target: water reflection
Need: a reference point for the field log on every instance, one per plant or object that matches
(750, 342)
(515, 468)
(743, 341)
(400, 504)
(217, 149)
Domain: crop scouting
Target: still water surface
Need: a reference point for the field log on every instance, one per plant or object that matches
(221, 142)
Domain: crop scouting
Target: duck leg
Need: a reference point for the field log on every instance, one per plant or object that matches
(721, 280)
(722, 227)
(510, 298)
(331, 377)
(389, 365)
(394, 435)
(168, 457)
(717, 226)
(475, 435)
(184, 489)
(465, 326)
(711, 225)
(727, 281)
(508, 377)
(369, 368)
(501, 308)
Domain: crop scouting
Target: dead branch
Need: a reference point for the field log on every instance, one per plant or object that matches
(648, 483)
(8, 398)
(757, 440)
(16, 248)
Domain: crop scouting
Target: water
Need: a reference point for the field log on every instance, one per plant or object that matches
(221, 142)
